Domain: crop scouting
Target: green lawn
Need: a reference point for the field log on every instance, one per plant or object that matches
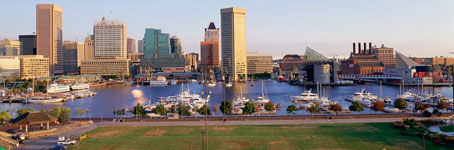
(364, 136)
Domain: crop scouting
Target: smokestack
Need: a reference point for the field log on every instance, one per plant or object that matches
(365, 48)
(354, 48)
(370, 47)
(359, 48)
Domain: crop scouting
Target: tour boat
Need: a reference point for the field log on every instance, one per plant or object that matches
(305, 96)
(159, 81)
(80, 86)
(57, 88)
(45, 99)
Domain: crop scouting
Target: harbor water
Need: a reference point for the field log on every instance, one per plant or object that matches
(120, 97)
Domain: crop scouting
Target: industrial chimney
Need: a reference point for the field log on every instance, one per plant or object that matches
(370, 47)
(359, 48)
(354, 48)
(365, 48)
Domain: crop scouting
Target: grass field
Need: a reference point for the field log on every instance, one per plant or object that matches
(365, 136)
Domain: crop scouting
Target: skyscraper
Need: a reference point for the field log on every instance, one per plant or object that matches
(175, 46)
(209, 48)
(155, 43)
(88, 47)
(132, 46)
(140, 46)
(49, 28)
(110, 39)
(73, 54)
(233, 31)
(28, 44)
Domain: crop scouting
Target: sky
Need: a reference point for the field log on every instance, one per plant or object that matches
(274, 27)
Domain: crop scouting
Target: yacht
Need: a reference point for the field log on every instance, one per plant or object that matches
(159, 81)
(390, 110)
(305, 96)
(185, 96)
(323, 101)
(264, 98)
(45, 99)
(229, 84)
(362, 95)
(57, 88)
(409, 96)
(80, 86)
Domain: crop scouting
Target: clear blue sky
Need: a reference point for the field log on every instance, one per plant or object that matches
(274, 27)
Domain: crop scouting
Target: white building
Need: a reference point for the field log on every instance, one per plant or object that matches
(110, 39)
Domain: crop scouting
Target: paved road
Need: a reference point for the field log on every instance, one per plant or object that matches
(45, 143)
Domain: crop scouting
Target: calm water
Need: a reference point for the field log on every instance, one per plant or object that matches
(109, 99)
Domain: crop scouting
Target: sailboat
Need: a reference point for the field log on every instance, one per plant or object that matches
(264, 98)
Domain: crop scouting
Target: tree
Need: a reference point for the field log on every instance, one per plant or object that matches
(161, 110)
(278, 106)
(400, 104)
(226, 107)
(356, 106)
(291, 109)
(4, 116)
(378, 105)
(24, 110)
(248, 108)
(79, 112)
(335, 107)
(442, 105)
(269, 106)
(184, 110)
(313, 108)
(204, 109)
(421, 107)
(61, 113)
(139, 111)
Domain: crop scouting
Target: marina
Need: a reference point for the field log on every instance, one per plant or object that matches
(126, 97)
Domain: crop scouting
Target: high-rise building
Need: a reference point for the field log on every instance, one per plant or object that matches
(209, 48)
(49, 35)
(155, 43)
(110, 39)
(191, 60)
(385, 55)
(10, 47)
(88, 47)
(73, 54)
(175, 46)
(233, 31)
(257, 63)
(24, 66)
(116, 66)
(132, 46)
(28, 44)
(140, 46)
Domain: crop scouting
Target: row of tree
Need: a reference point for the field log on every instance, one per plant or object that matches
(61, 113)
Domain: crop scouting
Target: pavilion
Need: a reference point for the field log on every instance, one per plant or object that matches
(31, 118)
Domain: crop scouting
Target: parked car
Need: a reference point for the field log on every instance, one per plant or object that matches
(65, 141)
(58, 147)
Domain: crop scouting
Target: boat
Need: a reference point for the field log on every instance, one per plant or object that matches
(409, 96)
(173, 82)
(212, 83)
(229, 84)
(305, 96)
(264, 98)
(391, 110)
(281, 78)
(80, 86)
(159, 81)
(57, 88)
(362, 95)
(45, 99)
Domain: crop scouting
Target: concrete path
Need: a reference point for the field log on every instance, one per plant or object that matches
(47, 142)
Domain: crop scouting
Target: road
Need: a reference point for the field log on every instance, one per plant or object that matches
(46, 142)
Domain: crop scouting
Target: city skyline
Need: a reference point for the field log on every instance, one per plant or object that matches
(328, 27)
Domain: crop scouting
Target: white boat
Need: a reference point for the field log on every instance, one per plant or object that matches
(366, 103)
(391, 110)
(159, 81)
(264, 98)
(173, 82)
(57, 88)
(409, 96)
(323, 101)
(212, 84)
(185, 97)
(80, 86)
(305, 96)
(45, 99)
(229, 84)
(362, 95)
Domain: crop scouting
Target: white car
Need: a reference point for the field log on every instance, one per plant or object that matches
(66, 142)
